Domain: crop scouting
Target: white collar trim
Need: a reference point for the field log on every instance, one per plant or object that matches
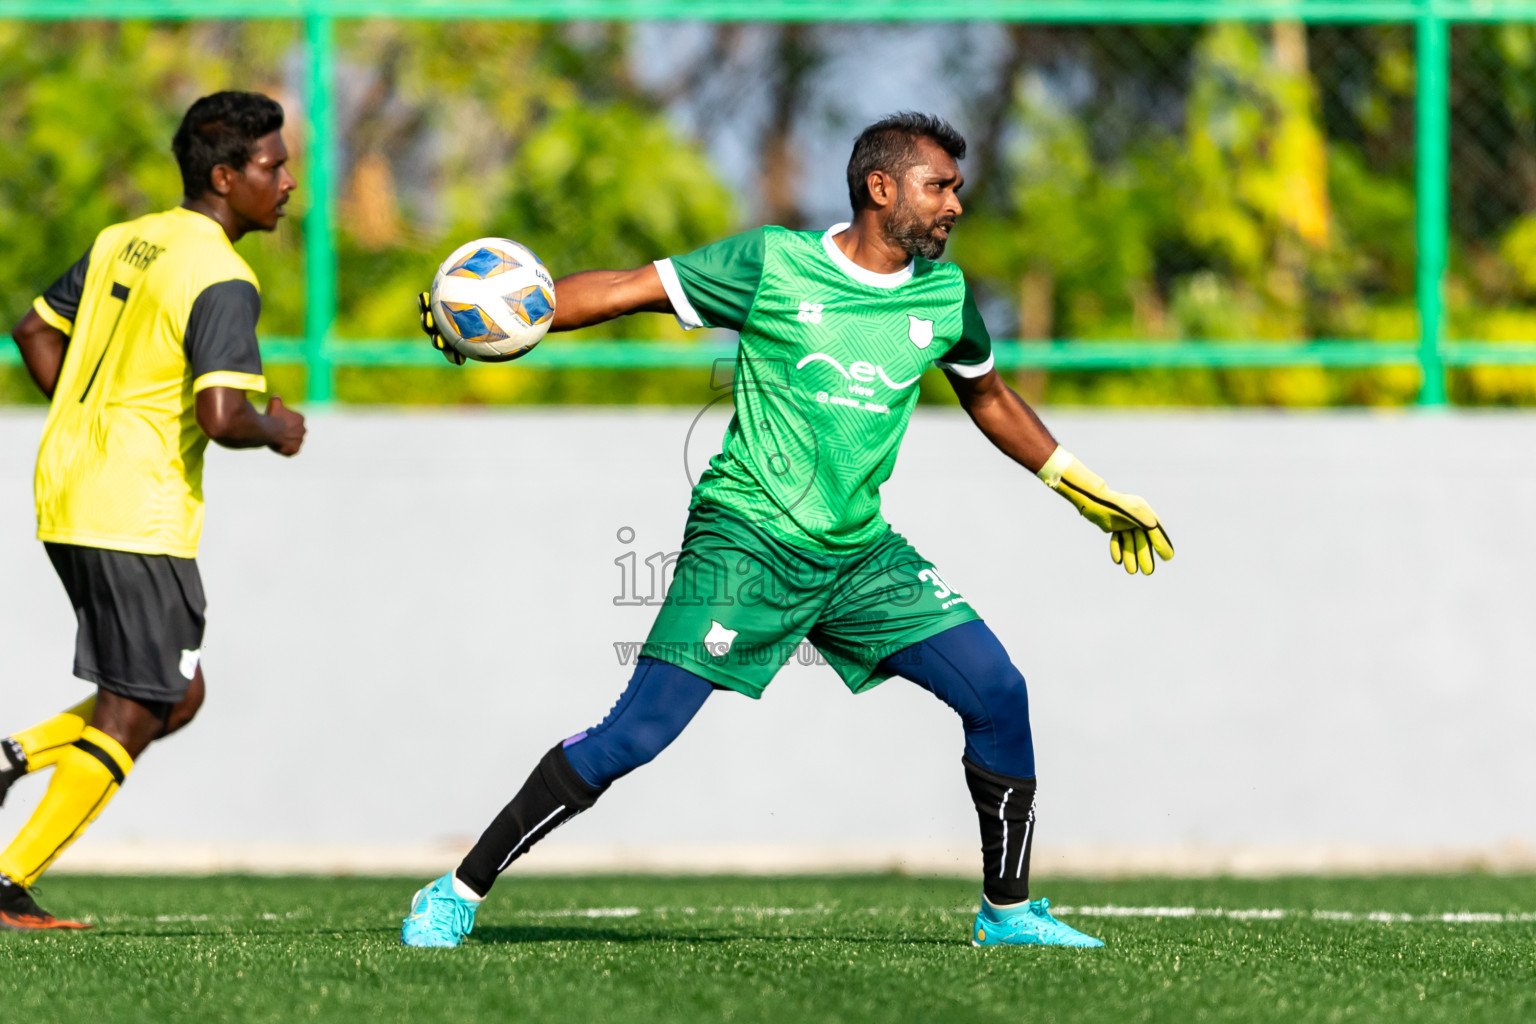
(857, 272)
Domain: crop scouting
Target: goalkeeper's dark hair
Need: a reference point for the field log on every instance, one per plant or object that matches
(221, 129)
(890, 145)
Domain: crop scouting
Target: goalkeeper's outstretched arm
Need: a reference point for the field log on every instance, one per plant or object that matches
(1136, 535)
(581, 300)
(594, 296)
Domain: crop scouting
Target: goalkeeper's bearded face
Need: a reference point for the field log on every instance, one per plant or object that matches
(927, 203)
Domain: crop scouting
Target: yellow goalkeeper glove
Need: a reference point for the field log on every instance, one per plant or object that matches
(1134, 530)
(429, 327)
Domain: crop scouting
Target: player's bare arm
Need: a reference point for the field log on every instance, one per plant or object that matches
(1005, 418)
(1137, 537)
(42, 350)
(581, 300)
(230, 420)
(596, 296)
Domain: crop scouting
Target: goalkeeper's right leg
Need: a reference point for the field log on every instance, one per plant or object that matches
(659, 702)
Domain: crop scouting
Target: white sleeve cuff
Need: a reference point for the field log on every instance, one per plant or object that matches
(687, 317)
(964, 369)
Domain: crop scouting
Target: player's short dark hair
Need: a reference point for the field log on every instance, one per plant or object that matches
(890, 145)
(221, 129)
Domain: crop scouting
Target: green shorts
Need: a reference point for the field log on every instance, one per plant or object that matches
(741, 603)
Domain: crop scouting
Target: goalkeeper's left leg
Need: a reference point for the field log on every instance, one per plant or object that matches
(966, 667)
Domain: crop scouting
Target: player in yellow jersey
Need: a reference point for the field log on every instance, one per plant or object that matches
(147, 348)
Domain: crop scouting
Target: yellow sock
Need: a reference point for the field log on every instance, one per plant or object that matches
(45, 741)
(85, 776)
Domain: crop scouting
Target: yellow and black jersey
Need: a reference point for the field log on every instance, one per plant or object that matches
(159, 309)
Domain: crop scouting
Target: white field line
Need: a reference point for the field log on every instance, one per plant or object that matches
(292, 915)
(1231, 914)
(1276, 914)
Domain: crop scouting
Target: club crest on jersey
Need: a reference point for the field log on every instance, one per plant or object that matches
(920, 331)
(719, 639)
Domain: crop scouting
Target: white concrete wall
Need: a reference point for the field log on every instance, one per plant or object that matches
(405, 617)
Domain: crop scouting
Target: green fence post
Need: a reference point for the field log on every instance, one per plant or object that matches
(1432, 188)
(319, 243)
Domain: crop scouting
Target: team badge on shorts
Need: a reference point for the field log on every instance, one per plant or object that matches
(189, 660)
(719, 639)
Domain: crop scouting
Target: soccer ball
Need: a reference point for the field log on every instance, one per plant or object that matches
(492, 299)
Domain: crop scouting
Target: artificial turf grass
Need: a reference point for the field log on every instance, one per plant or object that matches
(235, 948)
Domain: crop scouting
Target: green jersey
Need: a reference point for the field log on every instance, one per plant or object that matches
(826, 374)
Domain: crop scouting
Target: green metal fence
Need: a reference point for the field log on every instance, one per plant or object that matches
(322, 353)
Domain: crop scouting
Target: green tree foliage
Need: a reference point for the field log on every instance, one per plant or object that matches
(1266, 192)
(451, 131)
(1194, 182)
(448, 143)
(1226, 214)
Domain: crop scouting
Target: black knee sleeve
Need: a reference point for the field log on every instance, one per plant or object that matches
(553, 795)
(15, 756)
(1005, 806)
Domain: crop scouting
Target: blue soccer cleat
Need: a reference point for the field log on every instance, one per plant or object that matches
(1029, 925)
(439, 916)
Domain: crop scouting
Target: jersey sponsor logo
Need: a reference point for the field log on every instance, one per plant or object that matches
(189, 660)
(852, 403)
(810, 312)
(920, 331)
(858, 372)
(719, 639)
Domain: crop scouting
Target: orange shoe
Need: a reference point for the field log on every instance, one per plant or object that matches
(19, 912)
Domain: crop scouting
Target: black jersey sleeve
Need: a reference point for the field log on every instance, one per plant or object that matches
(221, 337)
(63, 296)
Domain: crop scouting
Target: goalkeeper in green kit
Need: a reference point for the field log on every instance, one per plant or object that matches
(785, 541)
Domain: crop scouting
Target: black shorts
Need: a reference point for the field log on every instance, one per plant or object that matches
(140, 616)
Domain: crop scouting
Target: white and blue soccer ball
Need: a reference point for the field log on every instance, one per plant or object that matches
(493, 299)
